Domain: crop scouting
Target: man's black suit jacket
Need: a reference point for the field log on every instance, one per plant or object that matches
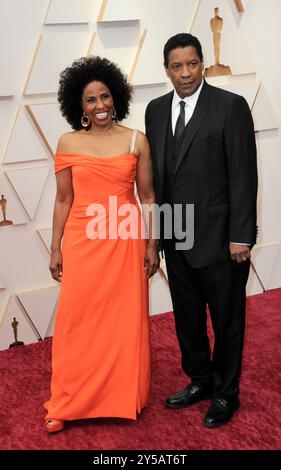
(216, 170)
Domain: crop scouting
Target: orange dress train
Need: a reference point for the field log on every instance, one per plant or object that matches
(101, 352)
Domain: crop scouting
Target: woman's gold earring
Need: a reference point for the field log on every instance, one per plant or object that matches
(85, 120)
(114, 116)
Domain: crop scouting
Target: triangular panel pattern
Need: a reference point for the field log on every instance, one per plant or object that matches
(39, 305)
(148, 68)
(9, 331)
(274, 281)
(263, 113)
(248, 90)
(156, 304)
(45, 235)
(52, 124)
(4, 298)
(142, 95)
(29, 184)
(253, 285)
(8, 50)
(25, 142)
(118, 43)
(68, 11)
(55, 52)
(263, 259)
(144, 72)
(120, 10)
(51, 327)
(9, 110)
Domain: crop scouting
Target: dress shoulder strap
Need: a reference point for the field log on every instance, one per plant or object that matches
(133, 141)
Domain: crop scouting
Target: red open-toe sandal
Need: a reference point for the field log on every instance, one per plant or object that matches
(54, 425)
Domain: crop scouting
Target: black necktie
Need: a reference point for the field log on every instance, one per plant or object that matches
(180, 124)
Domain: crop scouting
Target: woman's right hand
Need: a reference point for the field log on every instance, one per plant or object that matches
(56, 265)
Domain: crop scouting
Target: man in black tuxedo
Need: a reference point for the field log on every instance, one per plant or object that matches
(203, 149)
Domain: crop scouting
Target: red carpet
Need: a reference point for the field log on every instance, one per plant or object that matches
(25, 375)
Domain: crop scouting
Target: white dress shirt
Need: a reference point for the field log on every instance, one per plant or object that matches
(190, 103)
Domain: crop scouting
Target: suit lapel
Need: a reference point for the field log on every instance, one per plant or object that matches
(163, 118)
(199, 113)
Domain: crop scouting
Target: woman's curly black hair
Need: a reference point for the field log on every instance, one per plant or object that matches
(83, 71)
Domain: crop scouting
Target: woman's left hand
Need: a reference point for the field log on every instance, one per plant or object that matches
(151, 260)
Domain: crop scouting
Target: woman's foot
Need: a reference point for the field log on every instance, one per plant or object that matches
(54, 425)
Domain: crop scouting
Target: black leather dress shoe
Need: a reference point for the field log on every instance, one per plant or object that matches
(189, 396)
(220, 412)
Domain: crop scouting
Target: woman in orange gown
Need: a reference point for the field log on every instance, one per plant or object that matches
(101, 351)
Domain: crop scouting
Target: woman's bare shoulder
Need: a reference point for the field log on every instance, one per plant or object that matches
(129, 131)
(141, 136)
(66, 141)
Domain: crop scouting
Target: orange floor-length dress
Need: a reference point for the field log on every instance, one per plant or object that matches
(101, 353)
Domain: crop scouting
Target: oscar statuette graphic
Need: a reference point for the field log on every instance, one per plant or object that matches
(15, 325)
(218, 69)
(3, 204)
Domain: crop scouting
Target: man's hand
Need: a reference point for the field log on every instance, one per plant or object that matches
(239, 253)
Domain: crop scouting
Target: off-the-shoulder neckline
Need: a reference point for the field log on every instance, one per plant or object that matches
(96, 157)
